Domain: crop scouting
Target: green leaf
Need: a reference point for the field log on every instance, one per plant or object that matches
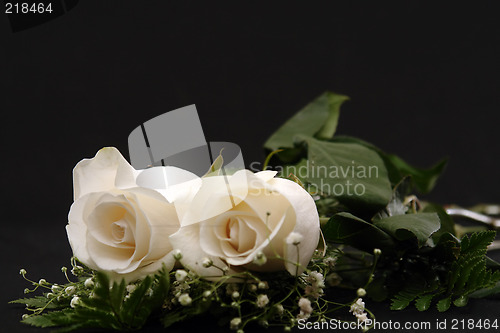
(354, 174)
(346, 228)
(318, 117)
(424, 302)
(420, 225)
(35, 302)
(444, 304)
(447, 223)
(477, 241)
(117, 293)
(423, 179)
(404, 298)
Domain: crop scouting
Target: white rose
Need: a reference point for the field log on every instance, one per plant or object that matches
(252, 214)
(117, 226)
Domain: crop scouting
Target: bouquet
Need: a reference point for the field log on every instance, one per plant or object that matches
(327, 225)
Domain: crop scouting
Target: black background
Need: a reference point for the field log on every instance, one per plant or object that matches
(423, 81)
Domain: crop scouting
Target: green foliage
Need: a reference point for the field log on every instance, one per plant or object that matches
(424, 180)
(402, 227)
(320, 117)
(466, 274)
(345, 228)
(106, 305)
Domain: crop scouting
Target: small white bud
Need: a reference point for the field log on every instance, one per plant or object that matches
(22, 271)
(26, 291)
(235, 294)
(181, 275)
(177, 254)
(294, 238)
(262, 300)
(263, 285)
(25, 316)
(70, 290)
(361, 292)
(74, 301)
(252, 287)
(130, 288)
(42, 281)
(235, 323)
(280, 309)
(64, 269)
(207, 262)
(89, 283)
(260, 259)
(235, 305)
(51, 295)
(56, 288)
(207, 293)
(377, 252)
(185, 299)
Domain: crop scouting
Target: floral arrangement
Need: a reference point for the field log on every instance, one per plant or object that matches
(327, 212)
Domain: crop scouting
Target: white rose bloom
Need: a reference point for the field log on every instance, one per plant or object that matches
(117, 226)
(253, 214)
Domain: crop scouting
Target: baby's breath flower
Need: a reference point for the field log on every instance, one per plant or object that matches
(361, 292)
(280, 309)
(330, 261)
(64, 269)
(287, 329)
(207, 293)
(22, 271)
(315, 278)
(42, 281)
(77, 270)
(26, 291)
(358, 307)
(89, 283)
(181, 275)
(262, 300)
(235, 305)
(264, 323)
(235, 323)
(74, 301)
(252, 287)
(294, 238)
(305, 305)
(263, 285)
(206, 262)
(130, 288)
(70, 290)
(185, 299)
(235, 294)
(51, 295)
(55, 288)
(25, 316)
(377, 252)
(362, 317)
(177, 254)
(260, 258)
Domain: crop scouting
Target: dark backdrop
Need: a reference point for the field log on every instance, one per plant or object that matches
(423, 81)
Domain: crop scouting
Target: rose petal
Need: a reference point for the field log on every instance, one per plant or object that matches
(307, 224)
(107, 170)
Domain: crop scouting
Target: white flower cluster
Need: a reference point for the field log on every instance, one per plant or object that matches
(358, 308)
(315, 286)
